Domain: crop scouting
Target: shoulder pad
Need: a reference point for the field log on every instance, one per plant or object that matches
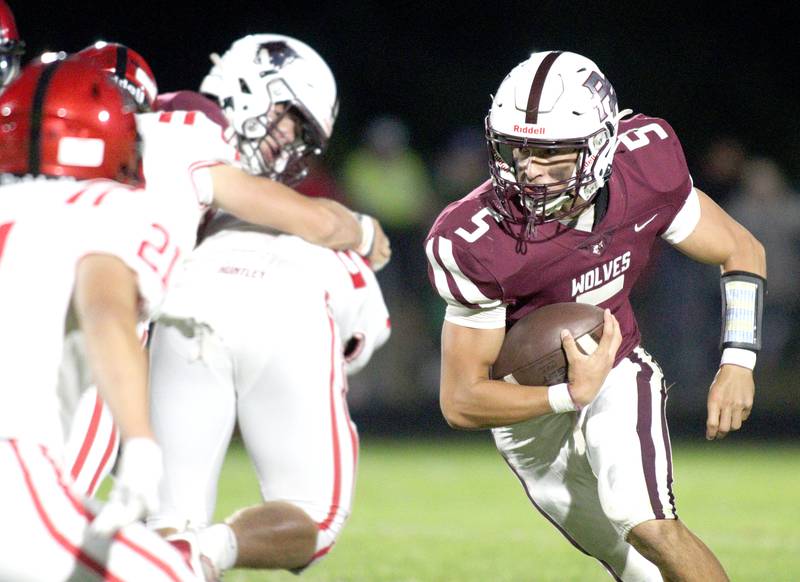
(650, 153)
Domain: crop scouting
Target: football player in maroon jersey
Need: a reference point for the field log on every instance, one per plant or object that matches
(553, 224)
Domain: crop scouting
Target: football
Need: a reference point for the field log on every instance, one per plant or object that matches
(532, 354)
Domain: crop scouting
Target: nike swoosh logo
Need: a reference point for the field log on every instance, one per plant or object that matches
(638, 227)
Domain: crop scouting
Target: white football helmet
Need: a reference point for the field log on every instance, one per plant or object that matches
(559, 101)
(261, 71)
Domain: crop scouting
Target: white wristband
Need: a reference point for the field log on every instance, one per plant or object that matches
(367, 235)
(738, 357)
(560, 399)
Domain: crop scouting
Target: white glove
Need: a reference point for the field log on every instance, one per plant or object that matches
(135, 491)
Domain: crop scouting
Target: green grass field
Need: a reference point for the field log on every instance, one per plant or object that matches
(449, 510)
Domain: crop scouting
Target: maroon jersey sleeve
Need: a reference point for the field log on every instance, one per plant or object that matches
(654, 163)
(459, 277)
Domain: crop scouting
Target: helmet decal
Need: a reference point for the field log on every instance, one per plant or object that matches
(606, 97)
(128, 69)
(279, 54)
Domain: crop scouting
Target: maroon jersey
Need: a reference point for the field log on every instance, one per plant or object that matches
(475, 263)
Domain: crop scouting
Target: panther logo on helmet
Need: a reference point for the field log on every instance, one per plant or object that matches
(279, 54)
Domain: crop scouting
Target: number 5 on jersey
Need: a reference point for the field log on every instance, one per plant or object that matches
(479, 220)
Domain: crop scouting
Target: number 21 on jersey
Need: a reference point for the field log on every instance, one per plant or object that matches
(158, 255)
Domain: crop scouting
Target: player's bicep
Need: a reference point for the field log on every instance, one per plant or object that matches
(714, 238)
(467, 355)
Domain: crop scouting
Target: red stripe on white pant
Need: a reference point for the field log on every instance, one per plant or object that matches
(89, 440)
(337, 461)
(79, 467)
(88, 516)
(60, 539)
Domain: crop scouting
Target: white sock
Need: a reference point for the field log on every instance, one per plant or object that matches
(218, 544)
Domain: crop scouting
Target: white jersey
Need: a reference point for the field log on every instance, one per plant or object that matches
(354, 294)
(46, 226)
(280, 323)
(179, 149)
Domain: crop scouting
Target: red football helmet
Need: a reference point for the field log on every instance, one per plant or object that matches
(11, 47)
(67, 118)
(130, 70)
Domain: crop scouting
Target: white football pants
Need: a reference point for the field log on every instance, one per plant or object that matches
(44, 530)
(597, 474)
(274, 363)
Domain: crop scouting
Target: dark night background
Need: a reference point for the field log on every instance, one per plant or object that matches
(710, 69)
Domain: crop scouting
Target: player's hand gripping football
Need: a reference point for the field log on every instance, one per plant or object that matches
(730, 400)
(586, 373)
(135, 491)
(381, 249)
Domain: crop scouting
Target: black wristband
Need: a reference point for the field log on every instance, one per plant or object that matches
(742, 310)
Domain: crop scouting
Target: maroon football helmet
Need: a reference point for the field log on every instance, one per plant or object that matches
(11, 47)
(67, 118)
(129, 69)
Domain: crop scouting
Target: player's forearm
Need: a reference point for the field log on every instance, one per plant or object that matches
(106, 303)
(748, 255)
(337, 227)
(269, 203)
(319, 221)
(492, 403)
(119, 368)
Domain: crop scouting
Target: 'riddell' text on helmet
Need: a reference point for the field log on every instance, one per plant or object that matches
(127, 68)
(257, 74)
(554, 101)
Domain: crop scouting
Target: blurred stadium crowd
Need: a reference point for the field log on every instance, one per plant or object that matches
(677, 301)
